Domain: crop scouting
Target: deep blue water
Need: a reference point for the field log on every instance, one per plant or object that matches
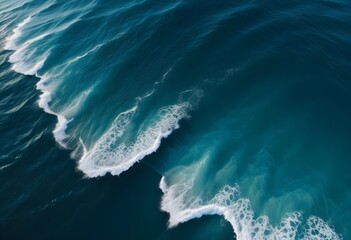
(175, 119)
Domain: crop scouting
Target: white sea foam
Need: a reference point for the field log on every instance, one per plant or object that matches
(44, 100)
(62, 123)
(97, 47)
(20, 50)
(20, 65)
(106, 156)
(29, 69)
(60, 129)
(182, 206)
(94, 49)
(16, 33)
(19, 58)
(11, 41)
(5, 166)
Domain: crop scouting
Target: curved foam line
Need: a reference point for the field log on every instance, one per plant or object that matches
(237, 211)
(103, 158)
(10, 43)
(116, 170)
(62, 122)
(5, 166)
(20, 66)
(19, 51)
(109, 156)
(24, 69)
(97, 47)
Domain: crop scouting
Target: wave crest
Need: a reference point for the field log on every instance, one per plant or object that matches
(110, 155)
(182, 207)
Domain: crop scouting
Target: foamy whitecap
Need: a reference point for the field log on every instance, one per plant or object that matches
(182, 207)
(19, 59)
(16, 33)
(23, 55)
(106, 156)
(29, 69)
(11, 41)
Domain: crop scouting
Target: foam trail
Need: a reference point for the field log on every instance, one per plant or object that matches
(182, 207)
(5, 166)
(60, 129)
(94, 49)
(16, 34)
(11, 41)
(106, 157)
(85, 54)
(110, 154)
(20, 52)
(62, 123)
(17, 58)
(27, 69)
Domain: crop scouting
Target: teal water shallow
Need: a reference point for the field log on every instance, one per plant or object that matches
(175, 119)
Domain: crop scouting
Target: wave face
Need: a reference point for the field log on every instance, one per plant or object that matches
(241, 106)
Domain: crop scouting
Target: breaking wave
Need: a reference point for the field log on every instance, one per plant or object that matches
(20, 66)
(132, 136)
(108, 155)
(182, 206)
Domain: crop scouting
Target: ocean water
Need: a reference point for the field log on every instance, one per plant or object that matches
(175, 119)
